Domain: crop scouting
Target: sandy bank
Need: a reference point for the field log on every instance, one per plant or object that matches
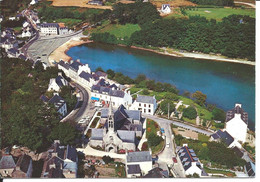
(60, 52)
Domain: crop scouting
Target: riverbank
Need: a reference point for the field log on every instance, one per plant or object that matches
(174, 53)
(60, 52)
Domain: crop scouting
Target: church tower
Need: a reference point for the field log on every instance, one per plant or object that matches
(110, 118)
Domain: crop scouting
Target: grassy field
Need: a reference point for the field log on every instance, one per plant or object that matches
(227, 173)
(120, 31)
(203, 138)
(212, 13)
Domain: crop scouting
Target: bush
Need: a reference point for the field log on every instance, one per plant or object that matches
(190, 112)
(107, 159)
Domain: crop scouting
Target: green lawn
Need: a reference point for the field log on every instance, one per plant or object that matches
(213, 13)
(227, 173)
(203, 138)
(193, 121)
(120, 31)
(18, 29)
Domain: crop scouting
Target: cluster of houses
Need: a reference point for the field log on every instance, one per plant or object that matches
(11, 44)
(104, 90)
(55, 86)
(15, 166)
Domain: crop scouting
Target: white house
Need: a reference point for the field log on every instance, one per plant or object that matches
(57, 83)
(107, 94)
(236, 123)
(138, 163)
(146, 104)
(86, 79)
(59, 104)
(33, 2)
(50, 28)
(26, 34)
(166, 8)
(225, 137)
(25, 24)
(190, 161)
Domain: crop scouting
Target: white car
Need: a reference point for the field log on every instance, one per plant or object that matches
(168, 145)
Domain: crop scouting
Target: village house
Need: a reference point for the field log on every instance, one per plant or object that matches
(33, 2)
(16, 167)
(250, 169)
(59, 104)
(236, 123)
(190, 161)
(145, 104)
(107, 94)
(166, 8)
(156, 173)
(119, 131)
(53, 29)
(57, 83)
(138, 163)
(96, 2)
(61, 162)
(224, 136)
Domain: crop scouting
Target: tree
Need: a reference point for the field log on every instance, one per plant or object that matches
(164, 106)
(154, 140)
(110, 73)
(140, 78)
(145, 92)
(190, 112)
(199, 97)
(171, 96)
(107, 159)
(219, 114)
(64, 132)
(99, 69)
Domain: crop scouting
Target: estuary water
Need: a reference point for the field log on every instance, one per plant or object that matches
(224, 83)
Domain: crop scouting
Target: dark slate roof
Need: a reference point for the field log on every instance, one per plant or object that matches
(104, 113)
(7, 162)
(126, 136)
(250, 168)
(145, 99)
(71, 154)
(24, 162)
(50, 25)
(155, 173)
(44, 98)
(58, 101)
(100, 73)
(60, 81)
(139, 156)
(133, 169)
(187, 156)
(56, 171)
(97, 134)
(75, 65)
(13, 51)
(63, 64)
(108, 91)
(237, 110)
(22, 57)
(164, 6)
(224, 136)
(134, 114)
(85, 75)
(238, 152)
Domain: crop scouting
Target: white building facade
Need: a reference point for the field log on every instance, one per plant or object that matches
(236, 123)
(146, 104)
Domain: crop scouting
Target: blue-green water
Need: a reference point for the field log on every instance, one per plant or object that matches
(224, 83)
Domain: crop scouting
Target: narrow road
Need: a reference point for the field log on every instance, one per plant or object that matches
(162, 120)
(249, 4)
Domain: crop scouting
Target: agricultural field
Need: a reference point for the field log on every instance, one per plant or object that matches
(212, 13)
(77, 3)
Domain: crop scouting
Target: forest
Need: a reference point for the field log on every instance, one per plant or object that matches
(215, 2)
(233, 37)
(26, 120)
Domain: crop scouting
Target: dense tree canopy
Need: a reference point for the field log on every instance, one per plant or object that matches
(27, 120)
(199, 97)
(164, 106)
(190, 112)
(214, 2)
(219, 114)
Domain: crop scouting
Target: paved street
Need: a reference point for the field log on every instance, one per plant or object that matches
(162, 120)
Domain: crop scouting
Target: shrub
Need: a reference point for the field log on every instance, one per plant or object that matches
(190, 112)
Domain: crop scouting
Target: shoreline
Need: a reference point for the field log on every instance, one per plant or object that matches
(61, 53)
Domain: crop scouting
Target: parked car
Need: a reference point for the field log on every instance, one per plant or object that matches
(167, 145)
(174, 159)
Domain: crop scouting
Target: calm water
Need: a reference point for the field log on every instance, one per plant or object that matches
(224, 83)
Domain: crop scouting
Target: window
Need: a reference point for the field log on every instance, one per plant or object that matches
(149, 105)
(144, 110)
(144, 105)
(149, 110)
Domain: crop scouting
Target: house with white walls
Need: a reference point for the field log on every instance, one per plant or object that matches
(57, 83)
(190, 161)
(145, 104)
(166, 8)
(224, 136)
(138, 163)
(236, 123)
